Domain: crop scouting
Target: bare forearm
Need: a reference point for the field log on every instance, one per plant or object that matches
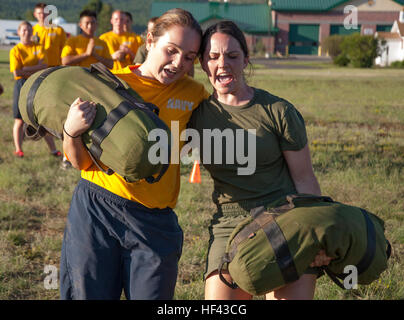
(72, 60)
(308, 185)
(25, 72)
(301, 171)
(76, 152)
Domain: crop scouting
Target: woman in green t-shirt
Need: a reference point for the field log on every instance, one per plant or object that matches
(278, 163)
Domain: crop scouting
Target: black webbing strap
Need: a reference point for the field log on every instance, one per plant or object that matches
(34, 89)
(101, 68)
(367, 258)
(98, 135)
(371, 245)
(265, 220)
(282, 253)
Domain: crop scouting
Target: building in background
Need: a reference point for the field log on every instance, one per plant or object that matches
(253, 19)
(303, 25)
(294, 26)
(393, 47)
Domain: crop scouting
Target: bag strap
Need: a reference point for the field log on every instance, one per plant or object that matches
(120, 88)
(282, 253)
(105, 129)
(109, 171)
(265, 221)
(32, 92)
(225, 260)
(32, 133)
(99, 134)
(102, 69)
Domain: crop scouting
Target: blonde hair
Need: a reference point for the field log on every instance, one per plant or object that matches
(24, 23)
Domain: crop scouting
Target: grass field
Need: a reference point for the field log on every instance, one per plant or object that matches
(355, 123)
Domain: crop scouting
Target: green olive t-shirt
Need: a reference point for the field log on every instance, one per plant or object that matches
(243, 175)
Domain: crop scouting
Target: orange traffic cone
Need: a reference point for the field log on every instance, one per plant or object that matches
(195, 176)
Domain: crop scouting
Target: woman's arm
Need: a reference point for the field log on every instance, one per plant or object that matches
(25, 72)
(80, 117)
(301, 171)
(74, 59)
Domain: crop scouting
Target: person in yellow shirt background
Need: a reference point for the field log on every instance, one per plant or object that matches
(26, 58)
(51, 38)
(86, 49)
(122, 45)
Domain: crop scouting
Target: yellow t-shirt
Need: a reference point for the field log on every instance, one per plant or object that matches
(129, 39)
(53, 40)
(77, 45)
(176, 102)
(25, 56)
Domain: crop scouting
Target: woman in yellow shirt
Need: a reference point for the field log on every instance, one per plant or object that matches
(123, 235)
(26, 58)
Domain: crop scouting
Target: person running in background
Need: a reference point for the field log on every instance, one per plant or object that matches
(122, 45)
(86, 49)
(51, 38)
(26, 58)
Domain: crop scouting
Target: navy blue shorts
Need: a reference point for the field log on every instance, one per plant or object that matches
(113, 244)
(16, 95)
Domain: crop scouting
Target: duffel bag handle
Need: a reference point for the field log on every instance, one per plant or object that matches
(100, 68)
(225, 259)
(34, 134)
(109, 171)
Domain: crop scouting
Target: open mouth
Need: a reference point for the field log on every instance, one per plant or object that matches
(224, 78)
(170, 72)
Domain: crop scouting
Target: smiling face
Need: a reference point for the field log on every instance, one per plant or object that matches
(224, 62)
(171, 55)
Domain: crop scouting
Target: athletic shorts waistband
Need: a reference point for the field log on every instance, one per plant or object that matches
(118, 199)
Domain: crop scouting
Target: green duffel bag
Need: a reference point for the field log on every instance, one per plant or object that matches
(118, 137)
(276, 244)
